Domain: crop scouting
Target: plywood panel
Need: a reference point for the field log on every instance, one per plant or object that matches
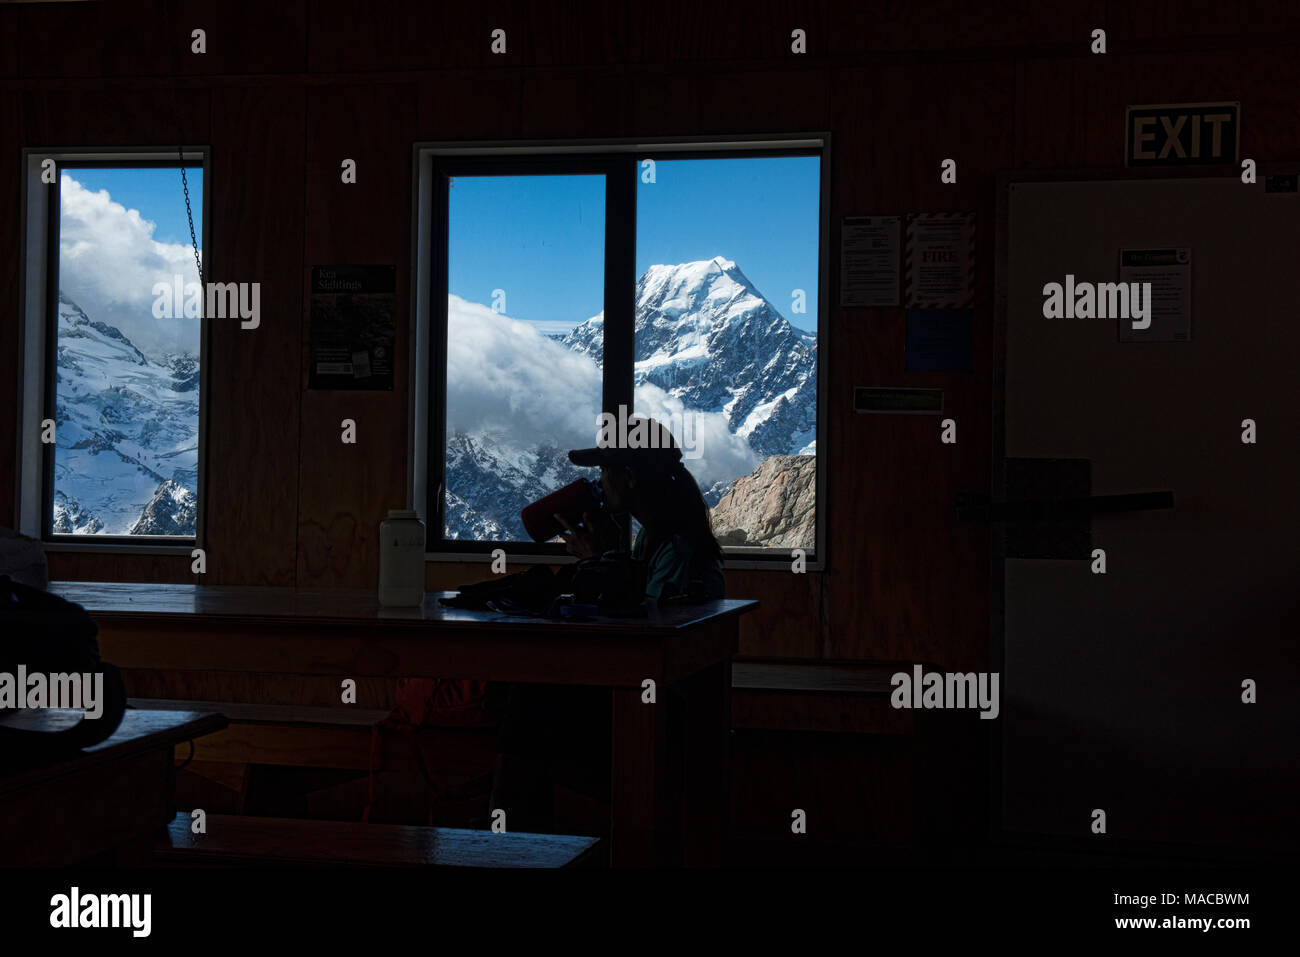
(563, 34)
(576, 103)
(464, 105)
(1138, 20)
(360, 35)
(100, 566)
(109, 38)
(907, 581)
(346, 490)
(348, 36)
(117, 117)
(1086, 100)
(10, 39)
(60, 39)
(792, 617)
(257, 229)
(679, 31)
(242, 37)
(674, 100)
(897, 25)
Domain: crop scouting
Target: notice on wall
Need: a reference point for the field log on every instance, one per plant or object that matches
(1169, 306)
(869, 251)
(353, 316)
(897, 401)
(939, 261)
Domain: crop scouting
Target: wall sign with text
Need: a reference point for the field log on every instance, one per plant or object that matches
(353, 320)
(1182, 134)
(939, 261)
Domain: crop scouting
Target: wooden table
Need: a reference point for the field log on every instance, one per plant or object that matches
(113, 798)
(346, 634)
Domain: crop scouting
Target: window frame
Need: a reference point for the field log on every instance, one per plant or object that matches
(433, 163)
(38, 340)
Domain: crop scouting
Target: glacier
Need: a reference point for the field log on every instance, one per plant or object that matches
(126, 433)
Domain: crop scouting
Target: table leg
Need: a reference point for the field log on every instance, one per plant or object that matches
(707, 765)
(639, 820)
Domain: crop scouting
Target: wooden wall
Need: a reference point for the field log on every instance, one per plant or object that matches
(289, 89)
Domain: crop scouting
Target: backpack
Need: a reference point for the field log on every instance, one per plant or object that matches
(50, 635)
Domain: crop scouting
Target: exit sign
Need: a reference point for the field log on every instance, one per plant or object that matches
(1182, 134)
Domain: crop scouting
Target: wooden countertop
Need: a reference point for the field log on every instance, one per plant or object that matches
(236, 603)
(139, 731)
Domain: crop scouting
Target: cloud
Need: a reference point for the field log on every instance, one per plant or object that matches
(109, 262)
(505, 378)
(711, 451)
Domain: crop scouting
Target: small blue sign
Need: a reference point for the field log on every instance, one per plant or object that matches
(938, 340)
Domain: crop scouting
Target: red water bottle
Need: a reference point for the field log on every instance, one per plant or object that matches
(582, 495)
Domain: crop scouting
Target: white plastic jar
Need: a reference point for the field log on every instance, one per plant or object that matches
(401, 559)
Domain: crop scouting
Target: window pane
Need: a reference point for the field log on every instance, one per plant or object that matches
(525, 341)
(726, 335)
(127, 362)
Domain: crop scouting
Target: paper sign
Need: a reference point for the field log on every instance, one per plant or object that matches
(869, 249)
(1169, 271)
(939, 261)
(353, 313)
(897, 401)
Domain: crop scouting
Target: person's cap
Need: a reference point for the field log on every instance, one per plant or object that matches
(645, 442)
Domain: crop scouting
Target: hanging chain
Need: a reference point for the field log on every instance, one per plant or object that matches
(189, 214)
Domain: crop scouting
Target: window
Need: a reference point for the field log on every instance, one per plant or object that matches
(525, 255)
(114, 343)
(677, 281)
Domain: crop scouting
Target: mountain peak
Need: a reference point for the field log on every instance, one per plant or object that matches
(74, 317)
(701, 286)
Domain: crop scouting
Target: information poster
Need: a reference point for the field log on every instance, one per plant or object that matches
(939, 261)
(1169, 310)
(353, 313)
(869, 254)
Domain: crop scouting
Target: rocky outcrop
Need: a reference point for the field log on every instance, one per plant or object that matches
(171, 511)
(773, 506)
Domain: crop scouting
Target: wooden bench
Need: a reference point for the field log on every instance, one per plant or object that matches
(767, 694)
(852, 697)
(320, 737)
(241, 841)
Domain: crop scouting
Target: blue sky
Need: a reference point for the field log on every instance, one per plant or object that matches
(541, 238)
(121, 231)
(156, 193)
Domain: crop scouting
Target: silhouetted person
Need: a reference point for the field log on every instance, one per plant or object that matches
(682, 559)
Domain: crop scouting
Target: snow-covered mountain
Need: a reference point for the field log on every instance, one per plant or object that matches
(707, 342)
(483, 469)
(126, 436)
(707, 336)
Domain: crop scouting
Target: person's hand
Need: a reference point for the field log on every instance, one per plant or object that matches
(582, 541)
